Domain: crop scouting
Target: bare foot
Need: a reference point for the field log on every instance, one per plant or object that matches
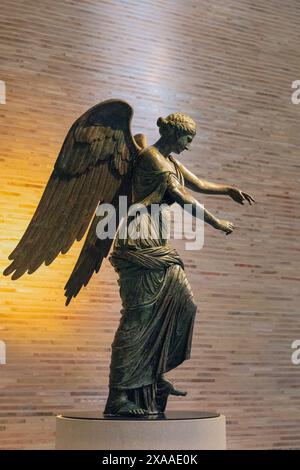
(119, 405)
(164, 389)
(126, 409)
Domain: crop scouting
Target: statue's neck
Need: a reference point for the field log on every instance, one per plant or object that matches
(163, 147)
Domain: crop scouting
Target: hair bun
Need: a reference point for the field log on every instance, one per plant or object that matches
(160, 122)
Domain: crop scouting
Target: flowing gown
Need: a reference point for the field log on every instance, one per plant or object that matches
(158, 310)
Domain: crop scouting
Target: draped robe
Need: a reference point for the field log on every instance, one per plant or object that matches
(158, 310)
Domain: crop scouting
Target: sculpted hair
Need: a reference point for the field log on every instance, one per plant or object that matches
(176, 121)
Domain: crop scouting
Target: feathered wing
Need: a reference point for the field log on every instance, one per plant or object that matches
(94, 249)
(89, 261)
(94, 164)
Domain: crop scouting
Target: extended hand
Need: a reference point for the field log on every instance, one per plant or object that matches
(225, 226)
(239, 196)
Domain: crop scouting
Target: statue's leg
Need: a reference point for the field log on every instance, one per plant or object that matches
(118, 404)
(164, 389)
(134, 402)
(183, 310)
(154, 336)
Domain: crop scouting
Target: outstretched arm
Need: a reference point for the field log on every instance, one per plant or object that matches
(180, 195)
(201, 186)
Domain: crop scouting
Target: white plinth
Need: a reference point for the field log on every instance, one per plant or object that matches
(174, 431)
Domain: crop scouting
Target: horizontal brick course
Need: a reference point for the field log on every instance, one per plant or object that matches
(230, 65)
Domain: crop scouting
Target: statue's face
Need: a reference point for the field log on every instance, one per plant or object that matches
(182, 143)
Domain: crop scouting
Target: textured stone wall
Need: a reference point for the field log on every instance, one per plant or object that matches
(230, 65)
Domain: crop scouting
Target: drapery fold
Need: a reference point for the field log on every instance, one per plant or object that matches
(158, 312)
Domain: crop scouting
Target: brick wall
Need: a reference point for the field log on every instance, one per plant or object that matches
(230, 65)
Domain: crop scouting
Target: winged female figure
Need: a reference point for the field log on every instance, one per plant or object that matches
(101, 160)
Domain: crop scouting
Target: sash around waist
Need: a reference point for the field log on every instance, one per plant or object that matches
(153, 258)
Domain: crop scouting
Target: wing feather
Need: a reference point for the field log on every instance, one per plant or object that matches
(94, 249)
(94, 160)
(89, 261)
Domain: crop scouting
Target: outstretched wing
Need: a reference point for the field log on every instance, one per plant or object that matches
(95, 159)
(94, 249)
(89, 261)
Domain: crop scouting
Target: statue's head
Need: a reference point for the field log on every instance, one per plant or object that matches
(178, 130)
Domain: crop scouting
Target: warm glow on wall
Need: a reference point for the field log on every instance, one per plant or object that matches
(230, 65)
(43, 291)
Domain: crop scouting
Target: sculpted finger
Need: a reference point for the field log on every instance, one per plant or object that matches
(249, 198)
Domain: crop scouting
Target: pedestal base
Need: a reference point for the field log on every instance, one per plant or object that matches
(177, 430)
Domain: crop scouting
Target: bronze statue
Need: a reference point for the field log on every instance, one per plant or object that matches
(100, 161)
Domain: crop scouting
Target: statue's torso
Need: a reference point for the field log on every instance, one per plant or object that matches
(149, 189)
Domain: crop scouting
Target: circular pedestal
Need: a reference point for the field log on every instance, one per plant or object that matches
(175, 430)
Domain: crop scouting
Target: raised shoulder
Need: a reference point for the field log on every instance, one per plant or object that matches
(151, 159)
